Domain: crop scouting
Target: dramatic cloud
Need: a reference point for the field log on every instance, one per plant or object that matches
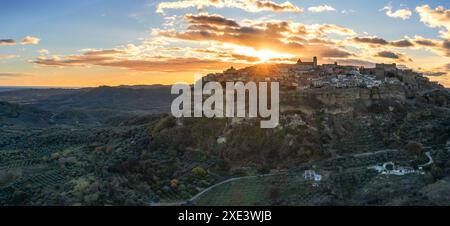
(426, 42)
(7, 42)
(247, 5)
(403, 14)
(370, 40)
(278, 36)
(152, 64)
(435, 18)
(321, 8)
(402, 43)
(439, 47)
(89, 57)
(225, 42)
(392, 55)
(107, 52)
(215, 20)
(204, 42)
(30, 40)
(336, 29)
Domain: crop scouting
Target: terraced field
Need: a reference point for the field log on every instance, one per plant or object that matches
(339, 184)
(267, 190)
(40, 180)
(25, 169)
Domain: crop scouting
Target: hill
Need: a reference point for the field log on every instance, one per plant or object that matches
(18, 115)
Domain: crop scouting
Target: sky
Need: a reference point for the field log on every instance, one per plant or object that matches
(68, 43)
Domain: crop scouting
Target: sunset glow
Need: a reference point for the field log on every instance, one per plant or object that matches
(264, 55)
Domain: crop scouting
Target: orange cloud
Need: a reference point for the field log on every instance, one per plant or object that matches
(114, 58)
(7, 56)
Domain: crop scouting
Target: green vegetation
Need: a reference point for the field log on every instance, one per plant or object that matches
(286, 189)
(88, 149)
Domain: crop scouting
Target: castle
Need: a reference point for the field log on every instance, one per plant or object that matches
(313, 63)
(306, 66)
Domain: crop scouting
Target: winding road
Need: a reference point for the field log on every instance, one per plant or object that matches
(194, 198)
(430, 161)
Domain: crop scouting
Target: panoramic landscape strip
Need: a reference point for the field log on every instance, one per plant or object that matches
(226, 111)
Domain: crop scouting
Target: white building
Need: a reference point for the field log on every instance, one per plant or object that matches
(389, 168)
(311, 175)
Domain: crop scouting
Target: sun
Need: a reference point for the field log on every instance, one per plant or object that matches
(265, 55)
(268, 55)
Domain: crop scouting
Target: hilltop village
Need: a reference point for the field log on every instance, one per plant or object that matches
(311, 75)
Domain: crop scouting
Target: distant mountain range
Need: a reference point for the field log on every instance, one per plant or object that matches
(15, 88)
(85, 105)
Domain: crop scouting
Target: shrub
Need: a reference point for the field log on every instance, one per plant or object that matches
(198, 172)
(174, 183)
(414, 148)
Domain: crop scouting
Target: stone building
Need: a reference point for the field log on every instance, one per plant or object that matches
(306, 66)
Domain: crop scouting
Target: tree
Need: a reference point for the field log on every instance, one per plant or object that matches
(174, 183)
(414, 148)
(198, 172)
